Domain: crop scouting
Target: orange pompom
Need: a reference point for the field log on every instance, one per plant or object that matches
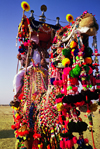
(19, 56)
(73, 44)
(88, 60)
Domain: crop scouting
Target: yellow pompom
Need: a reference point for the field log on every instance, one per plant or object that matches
(73, 44)
(88, 60)
(25, 6)
(69, 18)
(16, 114)
(66, 61)
(59, 106)
(72, 52)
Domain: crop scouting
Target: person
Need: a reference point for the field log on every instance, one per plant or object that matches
(18, 78)
(18, 82)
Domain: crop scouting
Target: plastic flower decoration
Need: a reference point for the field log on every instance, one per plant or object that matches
(69, 18)
(25, 6)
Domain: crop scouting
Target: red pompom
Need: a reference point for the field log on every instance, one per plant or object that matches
(74, 81)
(60, 119)
(86, 140)
(75, 89)
(79, 119)
(13, 127)
(74, 140)
(90, 70)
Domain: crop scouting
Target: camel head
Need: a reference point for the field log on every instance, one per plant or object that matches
(88, 21)
(85, 24)
(73, 37)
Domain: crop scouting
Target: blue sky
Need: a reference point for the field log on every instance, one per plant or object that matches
(10, 17)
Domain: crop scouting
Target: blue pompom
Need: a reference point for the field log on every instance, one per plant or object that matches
(52, 80)
(76, 52)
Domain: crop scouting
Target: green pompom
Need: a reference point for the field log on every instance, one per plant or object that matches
(90, 85)
(63, 117)
(77, 58)
(71, 74)
(98, 102)
(66, 52)
(75, 72)
(69, 87)
(55, 63)
(88, 78)
(88, 52)
(86, 67)
(60, 96)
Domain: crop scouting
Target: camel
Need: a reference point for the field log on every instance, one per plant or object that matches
(45, 118)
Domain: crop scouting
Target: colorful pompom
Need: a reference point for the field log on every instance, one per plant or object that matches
(25, 6)
(66, 52)
(75, 71)
(88, 52)
(66, 61)
(88, 60)
(73, 44)
(69, 18)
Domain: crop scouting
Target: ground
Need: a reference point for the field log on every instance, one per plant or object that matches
(7, 139)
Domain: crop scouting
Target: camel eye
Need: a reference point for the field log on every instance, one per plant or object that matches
(61, 33)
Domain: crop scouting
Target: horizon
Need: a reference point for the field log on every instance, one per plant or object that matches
(11, 17)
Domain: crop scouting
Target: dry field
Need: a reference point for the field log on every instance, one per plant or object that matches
(7, 139)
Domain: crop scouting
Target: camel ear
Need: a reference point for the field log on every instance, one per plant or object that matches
(92, 31)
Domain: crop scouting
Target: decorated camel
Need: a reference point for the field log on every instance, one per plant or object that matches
(47, 101)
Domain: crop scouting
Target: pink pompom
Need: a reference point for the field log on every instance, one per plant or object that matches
(55, 82)
(62, 144)
(60, 82)
(66, 144)
(66, 123)
(55, 40)
(59, 100)
(28, 41)
(25, 44)
(64, 91)
(70, 143)
(66, 70)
